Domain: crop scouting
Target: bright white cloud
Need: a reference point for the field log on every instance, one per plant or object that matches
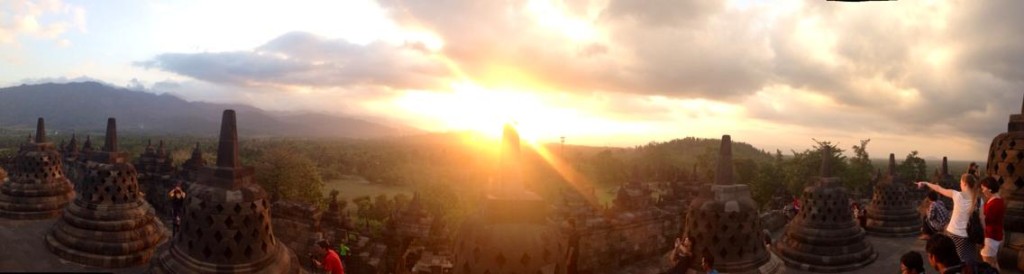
(47, 19)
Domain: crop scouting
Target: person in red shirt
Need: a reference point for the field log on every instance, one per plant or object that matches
(992, 217)
(331, 263)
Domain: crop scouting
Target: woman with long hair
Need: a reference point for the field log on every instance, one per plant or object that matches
(964, 203)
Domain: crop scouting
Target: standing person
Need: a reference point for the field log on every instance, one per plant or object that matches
(964, 203)
(992, 217)
(682, 255)
(177, 196)
(573, 254)
(707, 262)
(331, 263)
(937, 218)
(911, 263)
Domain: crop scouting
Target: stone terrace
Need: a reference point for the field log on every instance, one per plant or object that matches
(24, 250)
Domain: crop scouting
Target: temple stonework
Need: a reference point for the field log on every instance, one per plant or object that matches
(191, 167)
(510, 234)
(725, 222)
(1006, 162)
(227, 222)
(154, 160)
(36, 187)
(824, 237)
(893, 211)
(109, 224)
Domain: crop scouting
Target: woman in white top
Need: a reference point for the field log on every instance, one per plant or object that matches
(964, 203)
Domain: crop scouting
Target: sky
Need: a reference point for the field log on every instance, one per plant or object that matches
(938, 77)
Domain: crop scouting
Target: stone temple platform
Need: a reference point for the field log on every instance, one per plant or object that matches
(24, 250)
(889, 252)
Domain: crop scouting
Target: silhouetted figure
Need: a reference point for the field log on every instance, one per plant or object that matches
(573, 256)
(707, 262)
(177, 197)
(911, 263)
(682, 255)
(942, 255)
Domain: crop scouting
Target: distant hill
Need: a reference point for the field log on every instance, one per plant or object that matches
(85, 106)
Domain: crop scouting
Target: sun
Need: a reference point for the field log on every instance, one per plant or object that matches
(468, 106)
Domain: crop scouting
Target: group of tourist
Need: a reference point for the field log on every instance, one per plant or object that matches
(943, 256)
(954, 236)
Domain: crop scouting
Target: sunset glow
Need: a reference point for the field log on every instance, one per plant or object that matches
(598, 72)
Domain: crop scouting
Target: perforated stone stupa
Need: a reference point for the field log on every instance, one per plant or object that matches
(226, 226)
(109, 224)
(1006, 162)
(725, 223)
(36, 187)
(510, 234)
(824, 237)
(893, 211)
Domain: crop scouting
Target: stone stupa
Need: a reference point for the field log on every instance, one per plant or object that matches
(824, 237)
(724, 221)
(109, 224)
(226, 225)
(1006, 162)
(893, 210)
(36, 187)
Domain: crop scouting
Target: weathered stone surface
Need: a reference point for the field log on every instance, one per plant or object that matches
(893, 211)
(109, 224)
(154, 161)
(824, 237)
(35, 187)
(227, 225)
(725, 222)
(1006, 162)
(190, 168)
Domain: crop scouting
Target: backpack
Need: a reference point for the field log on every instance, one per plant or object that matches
(975, 230)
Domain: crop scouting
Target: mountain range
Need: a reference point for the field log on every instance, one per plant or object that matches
(85, 107)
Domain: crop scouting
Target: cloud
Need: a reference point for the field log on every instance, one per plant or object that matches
(939, 68)
(303, 59)
(48, 19)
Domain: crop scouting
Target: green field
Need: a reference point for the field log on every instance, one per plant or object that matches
(354, 186)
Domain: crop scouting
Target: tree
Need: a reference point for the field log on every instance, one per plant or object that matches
(912, 168)
(401, 201)
(363, 209)
(768, 181)
(289, 175)
(381, 208)
(804, 166)
(859, 173)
